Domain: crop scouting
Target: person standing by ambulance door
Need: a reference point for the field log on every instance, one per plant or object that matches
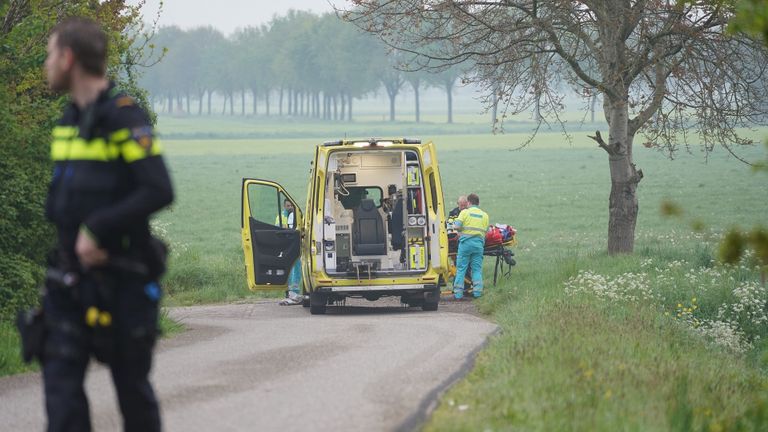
(287, 219)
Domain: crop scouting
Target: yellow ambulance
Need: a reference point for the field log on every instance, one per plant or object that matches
(373, 226)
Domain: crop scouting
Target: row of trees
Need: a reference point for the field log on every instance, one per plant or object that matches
(299, 64)
(666, 69)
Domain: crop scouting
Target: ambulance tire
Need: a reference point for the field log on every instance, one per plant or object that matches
(317, 303)
(431, 300)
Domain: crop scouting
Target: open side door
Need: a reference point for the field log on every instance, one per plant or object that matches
(270, 232)
(437, 231)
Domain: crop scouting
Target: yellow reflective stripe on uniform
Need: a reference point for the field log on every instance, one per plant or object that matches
(64, 131)
(79, 149)
(474, 222)
(474, 232)
(120, 135)
(67, 145)
(471, 228)
(132, 151)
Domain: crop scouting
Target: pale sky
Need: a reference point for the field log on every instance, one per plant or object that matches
(227, 15)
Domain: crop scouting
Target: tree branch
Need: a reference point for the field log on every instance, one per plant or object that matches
(610, 149)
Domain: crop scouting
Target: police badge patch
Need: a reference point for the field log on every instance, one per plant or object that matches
(143, 137)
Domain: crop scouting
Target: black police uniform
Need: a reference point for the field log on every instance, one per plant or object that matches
(108, 178)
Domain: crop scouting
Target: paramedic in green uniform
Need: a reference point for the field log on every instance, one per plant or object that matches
(472, 224)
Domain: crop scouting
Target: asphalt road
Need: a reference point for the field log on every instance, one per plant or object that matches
(262, 367)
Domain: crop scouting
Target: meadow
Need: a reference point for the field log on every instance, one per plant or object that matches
(664, 339)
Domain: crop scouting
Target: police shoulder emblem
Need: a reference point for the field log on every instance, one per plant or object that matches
(143, 136)
(124, 101)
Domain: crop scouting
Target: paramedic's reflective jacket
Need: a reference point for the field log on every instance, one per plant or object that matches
(108, 175)
(473, 222)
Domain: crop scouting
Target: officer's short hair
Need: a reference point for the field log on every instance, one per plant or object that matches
(87, 41)
(473, 199)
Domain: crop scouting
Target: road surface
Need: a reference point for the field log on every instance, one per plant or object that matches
(261, 367)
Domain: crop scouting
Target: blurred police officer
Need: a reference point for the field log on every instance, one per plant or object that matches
(108, 179)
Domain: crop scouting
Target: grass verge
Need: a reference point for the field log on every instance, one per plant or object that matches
(617, 350)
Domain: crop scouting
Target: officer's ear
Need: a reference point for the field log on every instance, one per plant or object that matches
(67, 59)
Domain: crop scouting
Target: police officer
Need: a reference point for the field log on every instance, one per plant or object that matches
(108, 179)
(472, 224)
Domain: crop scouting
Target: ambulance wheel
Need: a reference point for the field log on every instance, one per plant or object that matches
(317, 303)
(431, 300)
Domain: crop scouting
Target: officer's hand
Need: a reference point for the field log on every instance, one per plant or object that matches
(88, 251)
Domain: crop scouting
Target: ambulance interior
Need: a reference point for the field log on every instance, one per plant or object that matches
(375, 216)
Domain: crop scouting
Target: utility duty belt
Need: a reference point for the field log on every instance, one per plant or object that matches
(94, 292)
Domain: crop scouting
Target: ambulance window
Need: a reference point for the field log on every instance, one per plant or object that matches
(433, 189)
(265, 202)
(286, 218)
(358, 193)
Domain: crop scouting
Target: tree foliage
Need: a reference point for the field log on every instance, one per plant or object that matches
(664, 69)
(30, 111)
(752, 18)
(298, 64)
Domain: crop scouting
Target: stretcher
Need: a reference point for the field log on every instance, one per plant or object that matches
(503, 264)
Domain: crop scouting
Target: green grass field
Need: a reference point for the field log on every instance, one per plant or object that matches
(588, 342)
(665, 339)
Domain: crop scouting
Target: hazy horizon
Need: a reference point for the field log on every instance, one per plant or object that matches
(227, 15)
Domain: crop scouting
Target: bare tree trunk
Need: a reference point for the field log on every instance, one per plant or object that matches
(200, 95)
(449, 92)
(301, 103)
(242, 103)
(418, 107)
(392, 96)
(623, 206)
(295, 103)
(495, 108)
(255, 102)
(231, 103)
(170, 103)
(290, 102)
(343, 113)
(189, 111)
(592, 105)
(224, 106)
(280, 103)
(335, 107)
(266, 101)
(349, 111)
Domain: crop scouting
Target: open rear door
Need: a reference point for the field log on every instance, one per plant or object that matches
(270, 232)
(437, 231)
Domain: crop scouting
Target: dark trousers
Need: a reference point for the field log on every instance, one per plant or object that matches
(70, 344)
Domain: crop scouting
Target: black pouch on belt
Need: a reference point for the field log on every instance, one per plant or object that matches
(31, 326)
(156, 258)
